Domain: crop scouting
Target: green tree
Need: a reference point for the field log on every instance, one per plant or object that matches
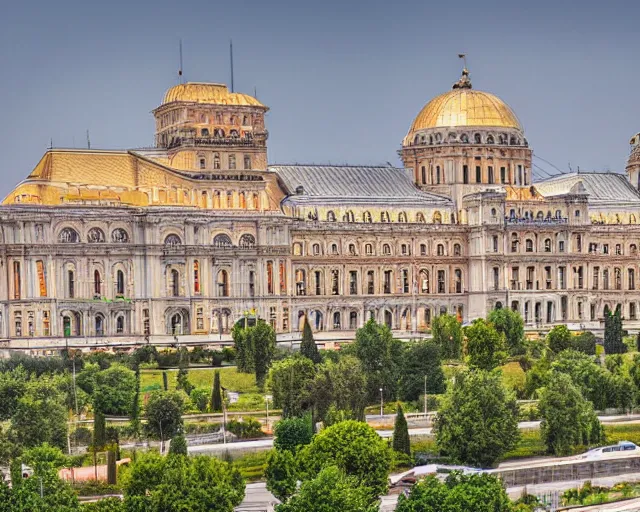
(447, 333)
(290, 433)
(178, 445)
(419, 360)
(613, 333)
(40, 415)
(477, 422)
(111, 467)
(355, 448)
(105, 505)
(182, 379)
(243, 348)
(135, 406)
(196, 484)
(380, 355)
(401, 441)
(593, 381)
(291, 383)
(329, 491)
(510, 324)
(308, 346)
(163, 413)
(44, 459)
(485, 345)
(13, 385)
(568, 420)
(165, 381)
(263, 340)
(559, 339)
(57, 496)
(584, 342)
(216, 393)
(200, 399)
(476, 492)
(114, 391)
(280, 474)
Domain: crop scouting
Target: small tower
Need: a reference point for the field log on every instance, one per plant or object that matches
(204, 127)
(633, 163)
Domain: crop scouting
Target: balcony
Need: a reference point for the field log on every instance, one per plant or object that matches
(257, 141)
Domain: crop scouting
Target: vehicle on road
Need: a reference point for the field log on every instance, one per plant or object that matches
(611, 451)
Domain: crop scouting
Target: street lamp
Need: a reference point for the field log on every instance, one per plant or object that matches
(381, 403)
(266, 399)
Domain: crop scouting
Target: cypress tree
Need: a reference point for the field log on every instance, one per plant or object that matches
(401, 442)
(216, 394)
(135, 409)
(165, 381)
(613, 333)
(308, 347)
(99, 430)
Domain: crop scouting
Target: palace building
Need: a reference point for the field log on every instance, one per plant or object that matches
(188, 236)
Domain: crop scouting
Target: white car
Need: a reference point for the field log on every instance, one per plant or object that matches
(614, 450)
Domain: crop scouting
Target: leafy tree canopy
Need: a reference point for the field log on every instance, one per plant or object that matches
(447, 333)
(114, 390)
(485, 345)
(164, 414)
(280, 474)
(291, 433)
(291, 383)
(419, 360)
(511, 325)
(559, 338)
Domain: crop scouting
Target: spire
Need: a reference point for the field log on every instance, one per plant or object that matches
(465, 81)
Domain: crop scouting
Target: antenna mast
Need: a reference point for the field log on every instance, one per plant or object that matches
(180, 69)
(231, 60)
(88, 141)
(463, 56)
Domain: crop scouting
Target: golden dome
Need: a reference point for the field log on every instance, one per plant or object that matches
(464, 106)
(201, 92)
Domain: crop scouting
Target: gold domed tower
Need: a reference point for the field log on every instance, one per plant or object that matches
(203, 126)
(466, 140)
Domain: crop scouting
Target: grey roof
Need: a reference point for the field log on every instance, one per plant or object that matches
(326, 184)
(603, 188)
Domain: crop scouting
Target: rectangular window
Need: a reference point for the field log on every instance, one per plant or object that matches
(562, 284)
(465, 174)
(478, 174)
(283, 278)
(318, 279)
(270, 277)
(605, 248)
(515, 278)
(561, 246)
(490, 171)
(252, 283)
(547, 277)
(495, 244)
(387, 281)
(335, 282)
(353, 282)
(146, 322)
(370, 282)
(285, 318)
(530, 277)
(71, 285)
(16, 280)
(196, 278)
(496, 278)
(46, 326)
(596, 277)
(441, 282)
(42, 278)
(405, 281)
(503, 175)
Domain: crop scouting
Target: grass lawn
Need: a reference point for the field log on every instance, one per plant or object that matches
(513, 375)
(201, 378)
(252, 465)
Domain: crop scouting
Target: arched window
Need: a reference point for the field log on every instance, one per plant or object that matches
(68, 236)
(316, 249)
(216, 160)
(196, 276)
(232, 161)
(386, 249)
(440, 250)
(95, 236)
(477, 138)
(420, 217)
(558, 214)
(331, 217)
(402, 217)
(368, 249)
(529, 245)
(458, 280)
(172, 240)
(384, 217)
(175, 283)
(547, 245)
(457, 250)
(247, 241)
(437, 217)
(222, 241)
(120, 283)
(204, 132)
(229, 199)
(119, 236)
(336, 320)
(349, 216)
(120, 325)
(243, 201)
(464, 138)
(352, 250)
(99, 324)
(97, 283)
(203, 163)
(297, 249)
(490, 139)
(255, 201)
(216, 199)
(423, 249)
(247, 162)
(223, 283)
(334, 249)
(366, 216)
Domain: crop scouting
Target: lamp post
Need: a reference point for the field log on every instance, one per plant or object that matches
(381, 403)
(266, 399)
(425, 397)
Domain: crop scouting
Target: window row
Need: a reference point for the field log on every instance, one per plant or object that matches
(373, 249)
(220, 241)
(468, 138)
(386, 217)
(94, 235)
(373, 282)
(206, 161)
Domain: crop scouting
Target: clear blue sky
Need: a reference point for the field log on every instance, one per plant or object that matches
(344, 79)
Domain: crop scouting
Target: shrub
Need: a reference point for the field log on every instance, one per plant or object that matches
(248, 428)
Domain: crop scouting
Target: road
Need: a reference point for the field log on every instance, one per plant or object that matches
(266, 444)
